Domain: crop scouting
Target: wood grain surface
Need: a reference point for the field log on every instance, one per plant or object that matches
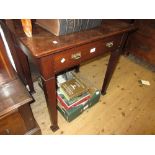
(127, 108)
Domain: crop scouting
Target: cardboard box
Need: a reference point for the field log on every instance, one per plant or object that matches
(73, 113)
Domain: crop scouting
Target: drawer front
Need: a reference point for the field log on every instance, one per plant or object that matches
(66, 59)
(12, 125)
(100, 47)
(75, 56)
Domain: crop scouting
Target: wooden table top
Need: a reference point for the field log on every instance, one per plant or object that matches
(41, 43)
(12, 95)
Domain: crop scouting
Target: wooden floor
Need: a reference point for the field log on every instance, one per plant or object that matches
(127, 108)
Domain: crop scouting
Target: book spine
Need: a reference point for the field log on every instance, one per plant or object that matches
(64, 93)
(87, 24)
(97, 22)
(70, 25)
(84, 24)
(80, 24)
(76, 25)
(94, 23)
(82, 101)
(62, 102)
(90, 24)
(63, 26)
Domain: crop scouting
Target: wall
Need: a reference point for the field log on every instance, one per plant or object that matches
(7, 48)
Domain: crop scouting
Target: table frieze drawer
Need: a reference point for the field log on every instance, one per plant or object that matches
(66, 59)
(99, 47)
(76, 55)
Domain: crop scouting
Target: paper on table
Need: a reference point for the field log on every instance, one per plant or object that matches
(144, 82)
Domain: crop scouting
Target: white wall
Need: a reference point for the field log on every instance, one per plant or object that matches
(7, 48)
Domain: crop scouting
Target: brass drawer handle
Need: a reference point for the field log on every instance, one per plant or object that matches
(76, 56)
(109, 44)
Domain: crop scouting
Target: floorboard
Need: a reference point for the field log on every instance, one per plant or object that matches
(127, 108)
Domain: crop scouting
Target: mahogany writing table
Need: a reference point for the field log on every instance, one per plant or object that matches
(69, 51)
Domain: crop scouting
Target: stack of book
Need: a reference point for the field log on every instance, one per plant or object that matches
(72, 93)
(74, 97)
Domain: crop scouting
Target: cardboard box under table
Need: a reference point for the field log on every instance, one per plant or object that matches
(74, 112)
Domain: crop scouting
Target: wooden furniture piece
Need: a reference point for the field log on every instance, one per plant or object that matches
(23, 68)
(141, 43)
(16, 117)
(69, 51)
(7, 73)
